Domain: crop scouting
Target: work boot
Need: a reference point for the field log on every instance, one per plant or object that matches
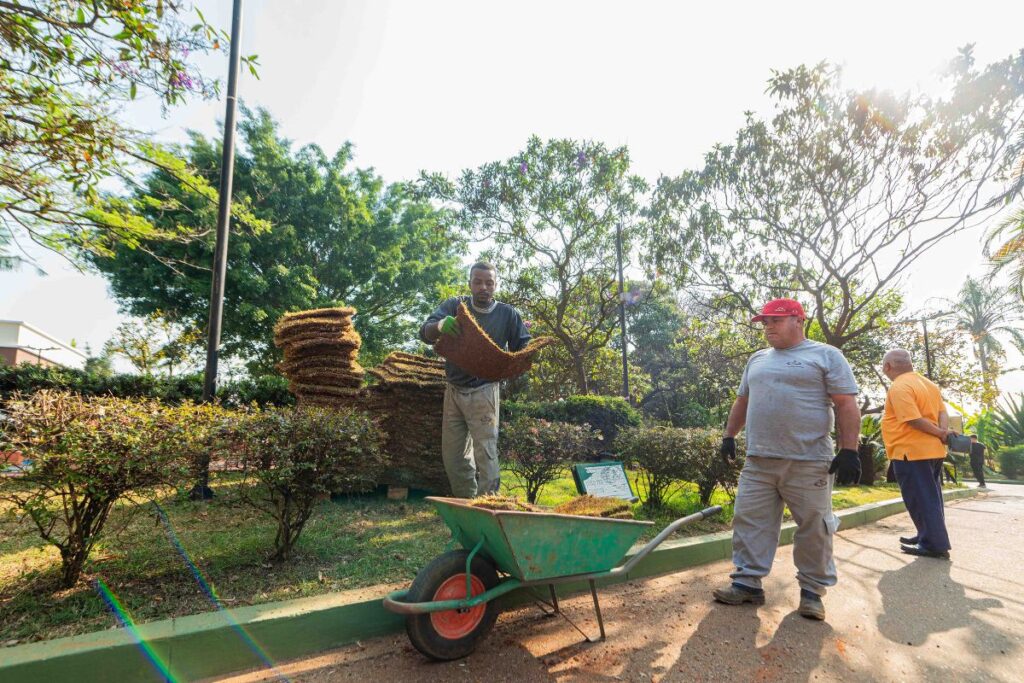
(737, 594)
(811, 605)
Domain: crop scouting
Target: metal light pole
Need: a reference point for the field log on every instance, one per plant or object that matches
(202, 490)
(927, 350)
(622, 311)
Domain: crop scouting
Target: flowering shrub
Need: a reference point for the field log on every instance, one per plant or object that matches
(297, 456)
(668, 457)
(537, 450)
(87, 453)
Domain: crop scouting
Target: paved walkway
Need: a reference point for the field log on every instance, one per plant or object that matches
(891, 618)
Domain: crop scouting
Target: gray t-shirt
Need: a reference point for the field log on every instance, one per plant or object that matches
(504, 325)
(789, 412)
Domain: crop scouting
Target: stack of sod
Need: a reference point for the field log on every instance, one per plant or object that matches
(476, 353)
(407, 401)
(592, 506)
(321, 348)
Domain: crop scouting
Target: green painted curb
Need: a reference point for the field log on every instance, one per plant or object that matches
(215, 643)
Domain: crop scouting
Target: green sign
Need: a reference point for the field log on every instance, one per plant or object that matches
(603, 479)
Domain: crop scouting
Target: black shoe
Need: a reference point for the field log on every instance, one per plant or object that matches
(908, 540)
(924, 552)
(811, 606)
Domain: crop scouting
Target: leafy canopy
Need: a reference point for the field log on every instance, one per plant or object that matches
(327, 234)
(66, 70)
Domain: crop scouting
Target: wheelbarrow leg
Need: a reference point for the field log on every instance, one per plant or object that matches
(597, 608)
(554, 597)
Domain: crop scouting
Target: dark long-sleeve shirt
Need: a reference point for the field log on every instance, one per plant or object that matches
(504, 325)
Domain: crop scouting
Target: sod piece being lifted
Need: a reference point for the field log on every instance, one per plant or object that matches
(476, 353)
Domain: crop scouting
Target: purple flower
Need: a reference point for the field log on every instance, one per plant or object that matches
(182, 80)
(581, 158)
(523, 167)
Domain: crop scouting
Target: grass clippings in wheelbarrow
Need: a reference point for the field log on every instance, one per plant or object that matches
(497, 501)
(476, 353)
(595, 506)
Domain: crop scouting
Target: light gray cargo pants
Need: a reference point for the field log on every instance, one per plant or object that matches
(469, 439)
(805, 486)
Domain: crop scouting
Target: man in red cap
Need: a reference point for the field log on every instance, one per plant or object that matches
(785, 399)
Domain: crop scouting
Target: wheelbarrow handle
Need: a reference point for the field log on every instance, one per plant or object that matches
(665, 533)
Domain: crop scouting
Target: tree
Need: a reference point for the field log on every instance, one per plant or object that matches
(835, 197)
(67, 70)
(985, 312)
(1005, 244)
(694, 353)
(551, 213)
(101, 366)
(156, 342)
(334, 235)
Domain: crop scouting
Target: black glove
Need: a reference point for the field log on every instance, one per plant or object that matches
(728, 450)
(847, 464)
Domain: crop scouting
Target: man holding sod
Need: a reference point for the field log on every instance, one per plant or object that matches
(786, 400)
(469, 428)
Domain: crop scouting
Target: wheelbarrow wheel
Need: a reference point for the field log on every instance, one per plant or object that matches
(451, 634)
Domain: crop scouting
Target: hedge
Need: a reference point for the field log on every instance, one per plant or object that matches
(26, 378)
(1011, 461)
(607, 414)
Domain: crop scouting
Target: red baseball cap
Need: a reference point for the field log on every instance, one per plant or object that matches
(778, 308)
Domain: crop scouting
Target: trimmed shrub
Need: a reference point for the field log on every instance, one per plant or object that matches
(667, 457)
(538, 450)
(26, 379)
(199, 432)
(607, 414)
(87, 453)
(297, 457)
(1011, 461)
(707, 469)
(655, 451)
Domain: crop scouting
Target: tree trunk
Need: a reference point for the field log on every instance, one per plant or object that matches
(581, 373)
(72, 560)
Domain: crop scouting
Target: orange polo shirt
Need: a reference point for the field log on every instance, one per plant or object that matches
(911, 396)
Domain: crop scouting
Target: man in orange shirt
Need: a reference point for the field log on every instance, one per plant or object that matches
(915, 430)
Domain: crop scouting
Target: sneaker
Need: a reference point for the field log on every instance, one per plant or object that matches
(737, 594)
(811, 605)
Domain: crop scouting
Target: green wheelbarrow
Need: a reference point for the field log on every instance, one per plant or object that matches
(450, 606)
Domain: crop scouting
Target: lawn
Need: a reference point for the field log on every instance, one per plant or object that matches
(205, 552)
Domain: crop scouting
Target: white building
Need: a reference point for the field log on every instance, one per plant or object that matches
(23, 343)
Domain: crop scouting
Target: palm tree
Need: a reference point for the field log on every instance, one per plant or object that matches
(986, 313)
(1005, 244)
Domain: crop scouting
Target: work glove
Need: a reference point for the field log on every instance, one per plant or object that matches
(728, 450)
(450, 326)
(847, 464)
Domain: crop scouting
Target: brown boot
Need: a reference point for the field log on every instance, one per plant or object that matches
(811, 605)
(736, 594)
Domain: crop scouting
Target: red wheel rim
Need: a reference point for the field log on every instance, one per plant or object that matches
(455, 623)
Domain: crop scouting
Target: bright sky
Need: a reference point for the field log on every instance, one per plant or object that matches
(449, 85)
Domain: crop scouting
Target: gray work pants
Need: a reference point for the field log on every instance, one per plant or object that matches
(469, 439)
(805, 486)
